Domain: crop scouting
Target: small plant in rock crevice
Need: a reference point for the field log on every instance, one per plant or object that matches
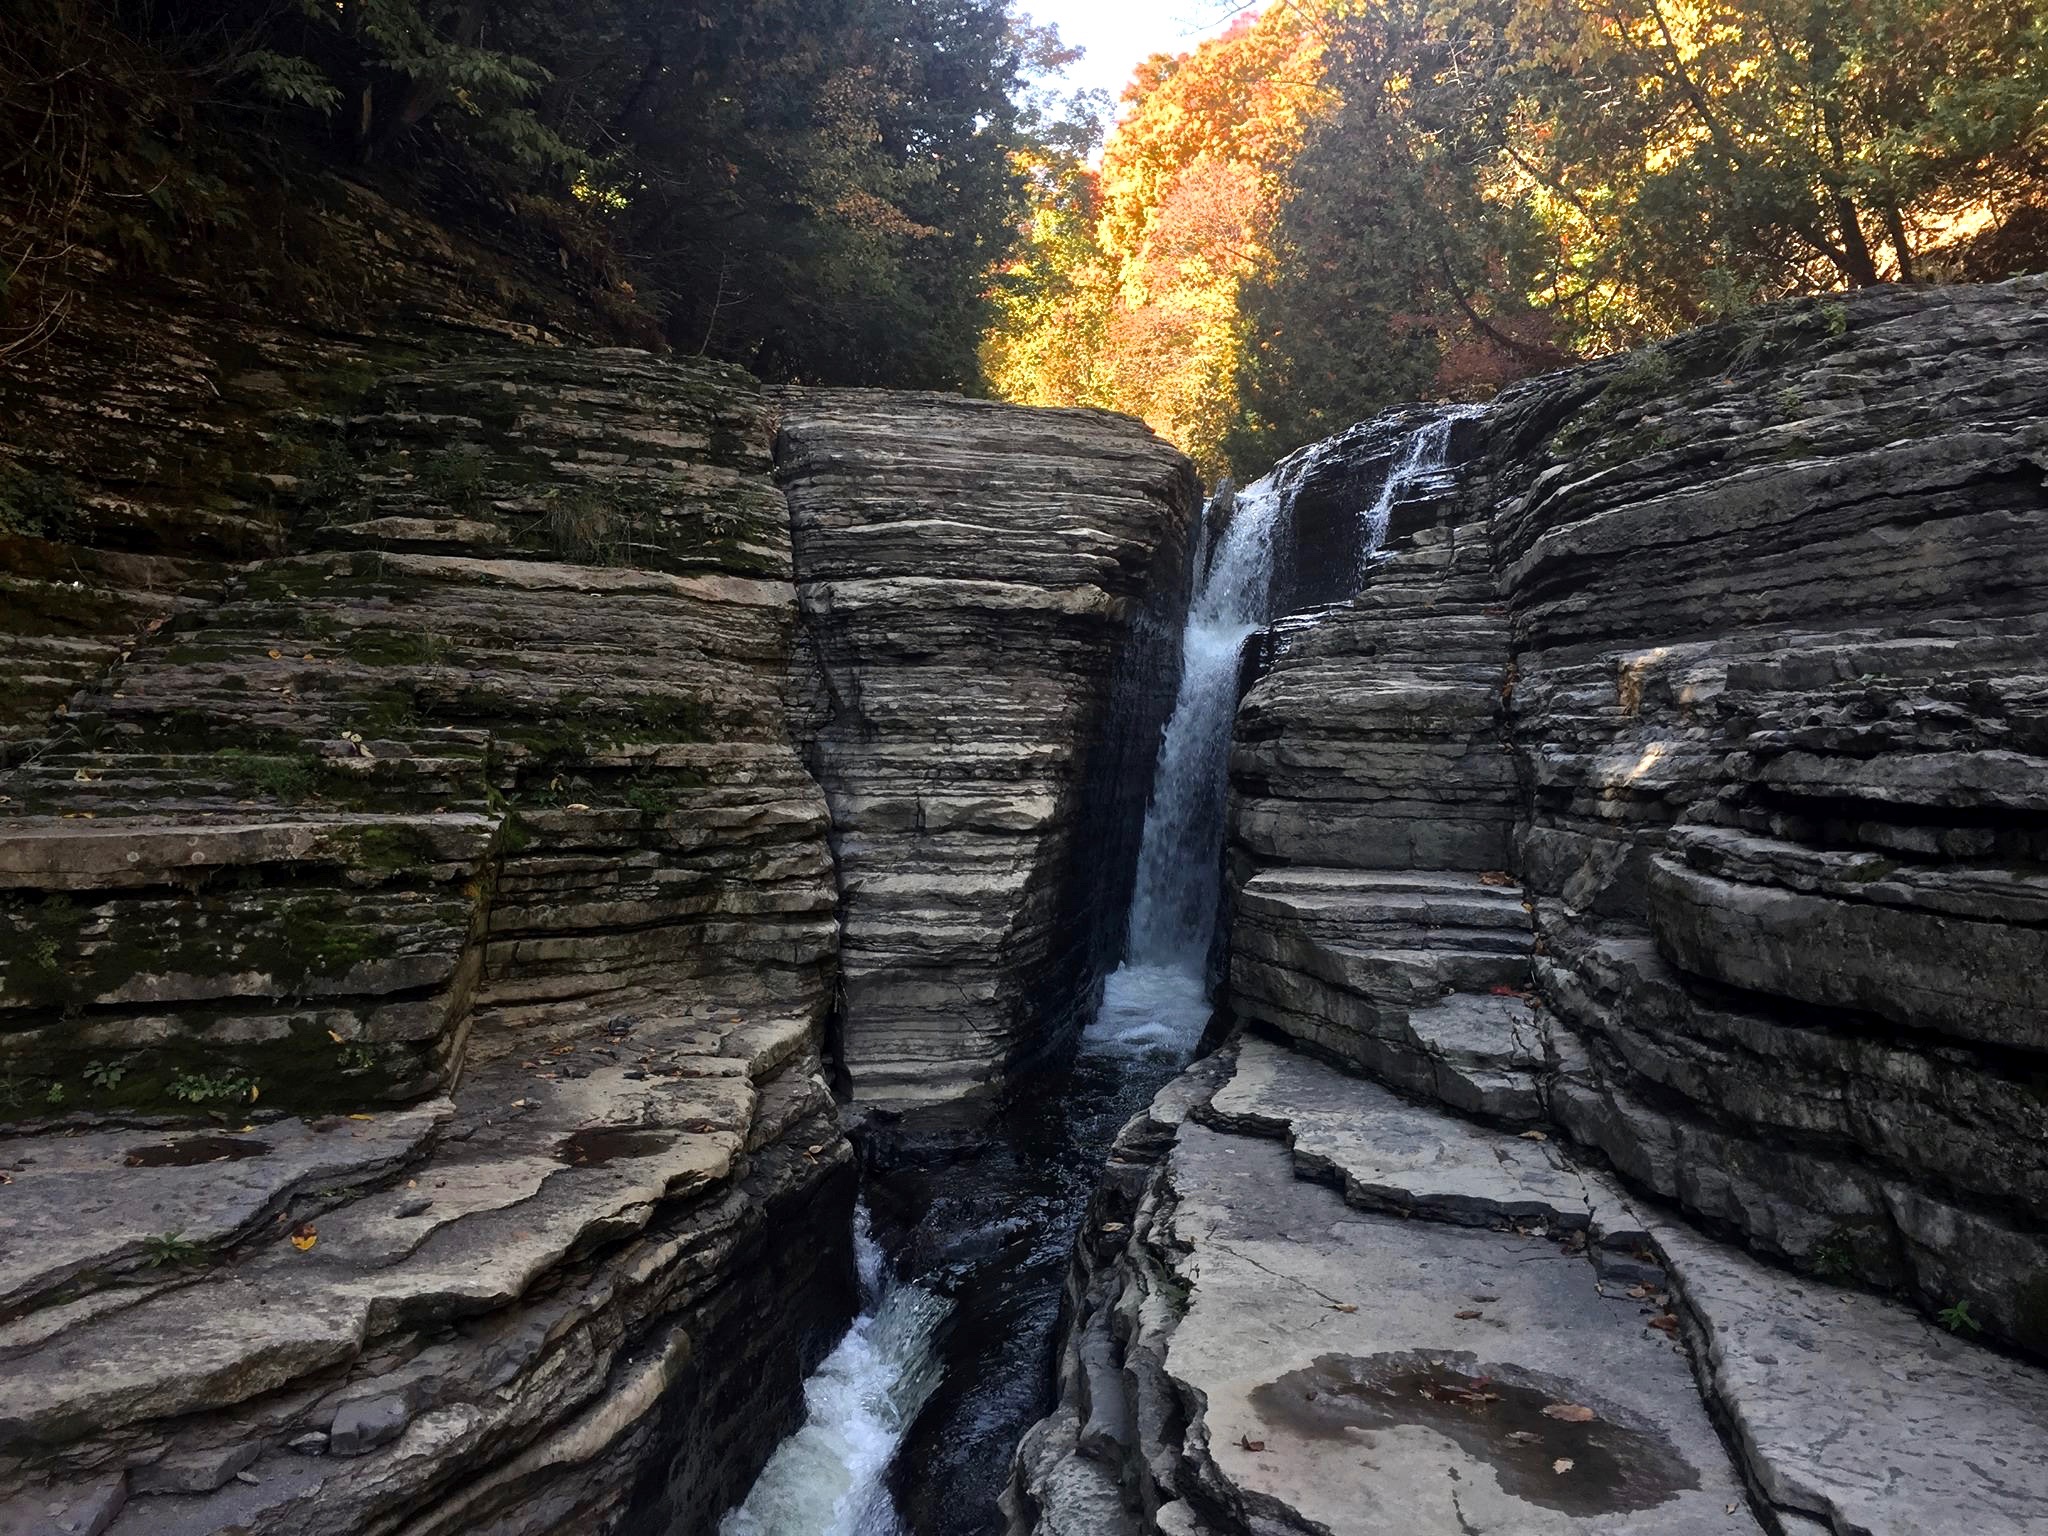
(170, 1250)
(212, 1087)
(105, 1075)
(1957, 1318)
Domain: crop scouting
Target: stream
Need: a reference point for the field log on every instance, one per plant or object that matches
(964, 1242)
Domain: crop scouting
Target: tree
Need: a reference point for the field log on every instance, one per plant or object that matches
(1401, 263)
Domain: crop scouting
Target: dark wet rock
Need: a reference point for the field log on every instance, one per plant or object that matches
(363, 1424)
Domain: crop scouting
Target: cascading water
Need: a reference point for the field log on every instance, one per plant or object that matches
(826, 1478)
(929, 1390)
(1423, 454)
(1158, 999)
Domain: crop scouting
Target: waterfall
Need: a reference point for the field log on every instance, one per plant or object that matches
(1157, 1001)
(1423, 454)
(826, 1478)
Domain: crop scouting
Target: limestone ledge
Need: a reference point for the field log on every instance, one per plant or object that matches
(1304, 1304)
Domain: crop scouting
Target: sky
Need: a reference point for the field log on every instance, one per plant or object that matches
(1118, 34)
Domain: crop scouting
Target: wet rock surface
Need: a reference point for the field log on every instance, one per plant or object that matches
(1317, 1307)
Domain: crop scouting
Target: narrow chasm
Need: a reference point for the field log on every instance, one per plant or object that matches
(968, 1220)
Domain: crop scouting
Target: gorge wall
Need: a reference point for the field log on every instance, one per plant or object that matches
(1638, 932)
(421, 923)
(989, 595)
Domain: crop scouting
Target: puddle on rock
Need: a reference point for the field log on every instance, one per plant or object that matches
(607, 1144)
(1493, 1413)
(194, 1150)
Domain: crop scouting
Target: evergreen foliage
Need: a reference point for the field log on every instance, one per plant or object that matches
(814, 188)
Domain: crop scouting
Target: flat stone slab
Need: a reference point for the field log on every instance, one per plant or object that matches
(93, 1201)
(1858, 1413)
(1390, 1154)
(531, 1169)
(1364, 1375)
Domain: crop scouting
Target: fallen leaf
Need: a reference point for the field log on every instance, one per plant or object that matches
(1343, 1306)
(1571, 1413)
(1534, 1136)
(303, 1238)
(335, 1036)
(576, 805)
(1522, 1437)
(1468, 1315)
(816, 1151)
(1562, 1465)
(1664, 1323)
(1638, 1292)
(1112, 1226)
(1250, 1444)
(274, 656)
(1496, 877)
(362, 1117)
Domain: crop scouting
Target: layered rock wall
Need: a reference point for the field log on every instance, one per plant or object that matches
(1663, 822)
(976, 580)
(421, 930)
(470, 831)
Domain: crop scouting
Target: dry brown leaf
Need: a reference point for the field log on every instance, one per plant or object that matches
(1343, 1306)
(1571, 1413)
(1250, 1444)
(1468, 1315)
(1534, 1136)
(303, 1238)
(1562, 1465)
(1664, 1323)
(1496, 877)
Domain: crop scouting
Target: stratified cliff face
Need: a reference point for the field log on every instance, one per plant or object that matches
(1665, 823)
(470, 832)
(976, 579)
(419, 925)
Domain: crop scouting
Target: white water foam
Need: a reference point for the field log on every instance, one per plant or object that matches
(826, 1478)
(1423, 454)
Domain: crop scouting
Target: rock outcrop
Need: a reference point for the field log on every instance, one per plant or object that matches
(1303, 1304)
(991, 596)
(1664, 821)
(461, 864)
(445, 839)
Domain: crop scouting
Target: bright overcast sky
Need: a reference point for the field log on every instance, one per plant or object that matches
(1119, 34)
